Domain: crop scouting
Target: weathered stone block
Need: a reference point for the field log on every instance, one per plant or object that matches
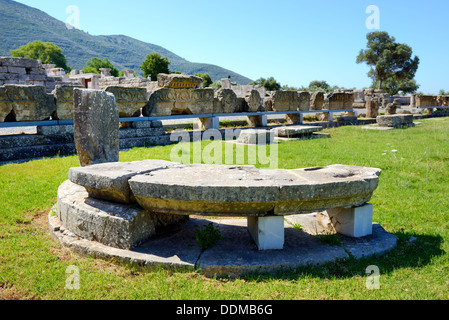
(285, 101)
(253, 100)
(17, 70)
(129, 101)
(29, 103)
(267, 232)
(372, 107)
(109, 181)
(96, 123)
(64, 102)
(317, 101)
(227, 101)
(165, 102)
(127, 226)
(178, 81)
(396, 121)
(304, 101)
(426, 101)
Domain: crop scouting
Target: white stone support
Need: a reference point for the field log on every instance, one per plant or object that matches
(209, 123)
(267, 232)
(354, 222)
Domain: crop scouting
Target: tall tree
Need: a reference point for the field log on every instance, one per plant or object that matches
(95, 64)
(47, 52)
(389, 60)
(154, 64)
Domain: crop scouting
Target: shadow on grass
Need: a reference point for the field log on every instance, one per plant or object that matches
(412, 251)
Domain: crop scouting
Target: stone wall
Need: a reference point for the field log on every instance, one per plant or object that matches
(22, 71)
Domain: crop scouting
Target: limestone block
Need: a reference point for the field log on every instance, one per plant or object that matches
(304, 101)
(126, 226)
(129, 100)
(354, 222)
(227, 101)
(285, 101)
(426, 101)
(96, 124)
(20, 62)
(295, 131)
(253, 100)
(339, 100)
(178, 81)
(372, 107)
(109, 181)
(64, 102)
(317, 101)
(255, 136)
(395, 121)
(5, 104)
(267, 103)
(293, 118)
(29, 103)
(165, 102)
(267, 232)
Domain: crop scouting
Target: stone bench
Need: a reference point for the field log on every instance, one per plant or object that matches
(264, 197)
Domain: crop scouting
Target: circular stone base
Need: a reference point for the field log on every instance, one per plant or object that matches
(235, 254)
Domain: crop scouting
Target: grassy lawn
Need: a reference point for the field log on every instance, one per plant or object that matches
(412, 202)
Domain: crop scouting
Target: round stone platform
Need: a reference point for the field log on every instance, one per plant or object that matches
(235, 254)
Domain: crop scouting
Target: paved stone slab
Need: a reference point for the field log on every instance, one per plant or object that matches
(236, 254)
(109, 181)
(295, 131)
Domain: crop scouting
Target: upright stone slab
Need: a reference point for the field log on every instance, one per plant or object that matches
(226, 101)
(253, 100)
(317, 101)
(96, 124)
(285, 101)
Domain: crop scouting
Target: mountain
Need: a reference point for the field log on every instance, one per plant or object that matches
(21, 24)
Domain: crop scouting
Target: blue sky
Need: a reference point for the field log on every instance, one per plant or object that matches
(294, 41)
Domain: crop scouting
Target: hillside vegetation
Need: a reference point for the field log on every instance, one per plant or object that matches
(21, 24)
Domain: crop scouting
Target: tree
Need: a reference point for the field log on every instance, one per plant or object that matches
(153, 65)
(317, 85)
(393, 87)
(207, 81)
(390, 61)
(269, 84)
(94, 66)
(47, 52)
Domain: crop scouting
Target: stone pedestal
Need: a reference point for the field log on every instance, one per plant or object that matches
(267, 232)
(293, 118)
(254, 136)
(395, 121)
(209, 123)
(258, 121)
(354, 222)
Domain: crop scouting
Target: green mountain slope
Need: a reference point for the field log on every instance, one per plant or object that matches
(20, 24)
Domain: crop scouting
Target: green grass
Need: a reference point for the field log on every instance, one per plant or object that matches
(411, 200)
